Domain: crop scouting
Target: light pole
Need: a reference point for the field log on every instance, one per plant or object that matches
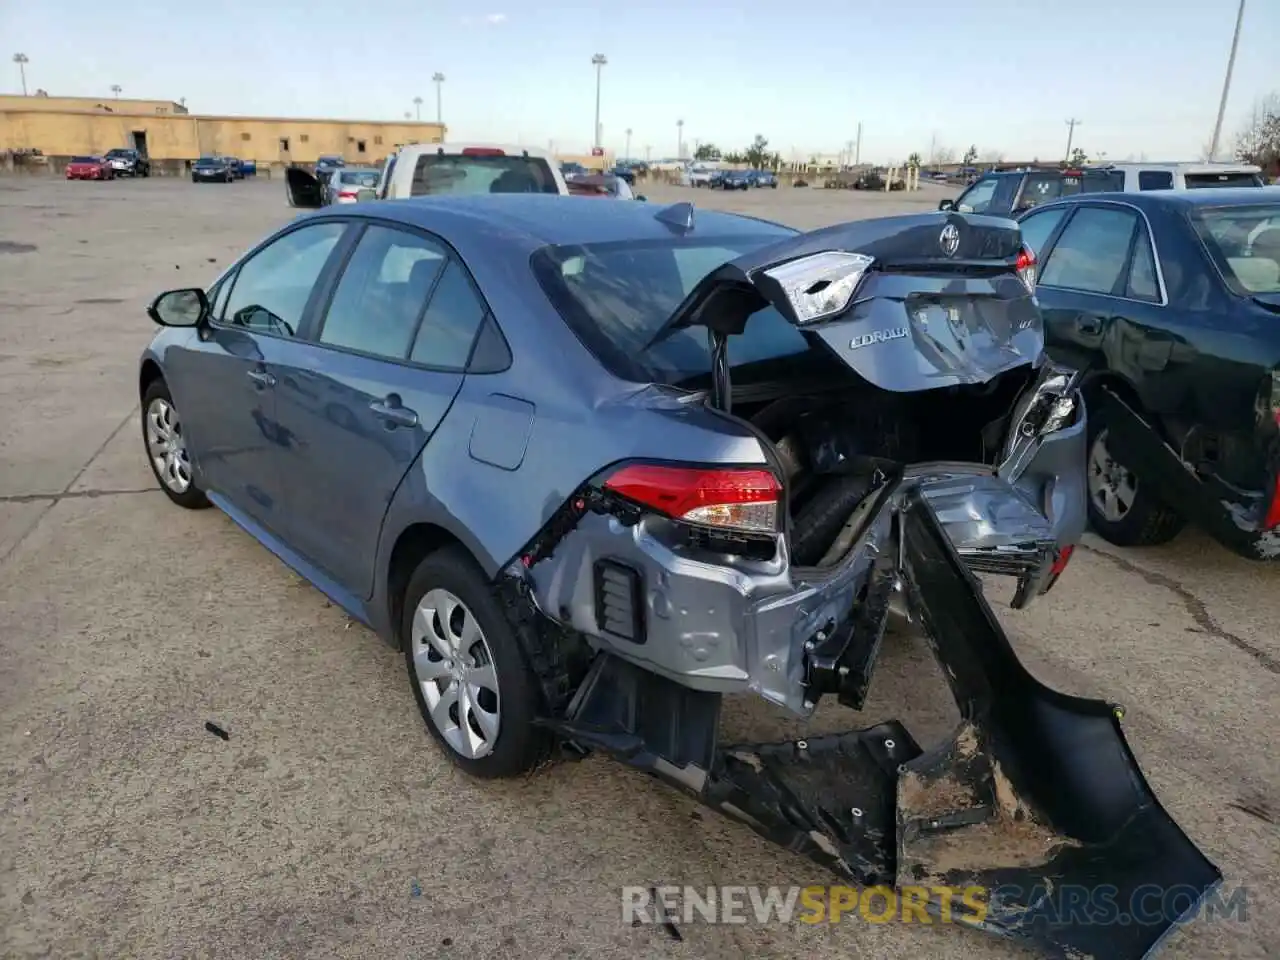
(1071, 133)
(417, 108)
(679, 139)
(21, 60)
(1226, 84)
(438, 79)
(116, 88)
(598, 61)
(628, 155)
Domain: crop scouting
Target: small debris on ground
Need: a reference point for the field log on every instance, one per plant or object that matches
(216, 730)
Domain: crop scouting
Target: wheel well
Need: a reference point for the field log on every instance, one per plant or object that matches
(413, 545)
(1123, 389)
(149, 375)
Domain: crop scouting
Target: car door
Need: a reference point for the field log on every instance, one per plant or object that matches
(1100, 293)
(364, 392)
(226, 378)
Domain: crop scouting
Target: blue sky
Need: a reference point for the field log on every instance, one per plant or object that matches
(1144, 76)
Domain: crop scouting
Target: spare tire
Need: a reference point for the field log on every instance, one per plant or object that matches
(820, 520)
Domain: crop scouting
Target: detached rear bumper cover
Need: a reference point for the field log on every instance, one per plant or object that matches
(1037, 798)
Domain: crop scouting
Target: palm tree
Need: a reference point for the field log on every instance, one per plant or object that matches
(913, 161)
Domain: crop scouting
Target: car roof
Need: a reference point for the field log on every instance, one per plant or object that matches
(534, 220)
(1183, 199)
(510, 149)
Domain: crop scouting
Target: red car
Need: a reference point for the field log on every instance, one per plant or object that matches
(89, 168)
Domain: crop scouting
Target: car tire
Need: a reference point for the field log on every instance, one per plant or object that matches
(503, 693)
(1146, 521)
(166, 448)
(816, 525)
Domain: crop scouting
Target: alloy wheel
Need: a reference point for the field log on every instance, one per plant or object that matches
(1112, 487)
(455, 669)
(167, 446)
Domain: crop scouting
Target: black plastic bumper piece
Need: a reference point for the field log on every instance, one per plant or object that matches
(1036, 798)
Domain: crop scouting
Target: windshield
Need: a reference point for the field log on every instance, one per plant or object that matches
(359, 178)
(618, 296)
(206, 161)
(119, 153)
(1197, 181)
(458, 174)
(1244, 243)
(84, 159)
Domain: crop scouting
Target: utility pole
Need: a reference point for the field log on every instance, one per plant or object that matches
(438, 79)
(628, 155)
(933, 150)
(598, 61)
(679, 139)
(21, 59)
(857, 155)
(115, 90)
(417, 106)
(1071, 133)
(1226, 84)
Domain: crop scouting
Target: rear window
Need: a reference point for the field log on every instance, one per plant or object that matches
(618, 296)
(359, 178)
(457, 174)
(1201, 180)
(1244, 244)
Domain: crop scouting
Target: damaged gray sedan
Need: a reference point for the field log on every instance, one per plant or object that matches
(593, 466)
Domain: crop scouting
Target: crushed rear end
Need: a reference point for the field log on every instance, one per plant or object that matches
(681, 580)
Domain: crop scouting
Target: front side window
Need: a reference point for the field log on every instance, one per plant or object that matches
(383, 291)
(1092, 251)
(272, 288)
(978, 197)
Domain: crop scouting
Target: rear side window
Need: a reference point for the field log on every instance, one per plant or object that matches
(449, 326)
(382, 293)
(1102, 181)
(460, 175)
(1142, 283)
(1092, 251)
(1197, 181)
(1155, 180)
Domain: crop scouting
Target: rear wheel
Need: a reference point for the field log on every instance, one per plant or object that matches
(476, 694)
(1122, 510)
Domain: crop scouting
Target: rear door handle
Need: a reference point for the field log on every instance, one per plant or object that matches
(391, 411)
(262, 378)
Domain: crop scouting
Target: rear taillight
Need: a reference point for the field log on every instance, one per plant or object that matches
(731, 498)
(483, 152)
(348, 194)
(1059, 564)
(1026, 267)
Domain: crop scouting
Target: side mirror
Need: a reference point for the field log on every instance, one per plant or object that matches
(179, 308)
(947, 205)
(641, 197)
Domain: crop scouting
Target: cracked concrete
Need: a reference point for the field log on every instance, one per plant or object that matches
(327, 824)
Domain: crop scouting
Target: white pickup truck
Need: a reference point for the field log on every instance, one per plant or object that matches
(431, 169)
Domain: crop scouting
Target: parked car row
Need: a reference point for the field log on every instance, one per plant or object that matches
(217, 169)
(740, 179)
(602, 464)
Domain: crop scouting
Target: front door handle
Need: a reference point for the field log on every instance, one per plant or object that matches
(262, 378)
(393, 413)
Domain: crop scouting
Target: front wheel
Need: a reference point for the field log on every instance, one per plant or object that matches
(472, 685)
(166, 446)
(1122, 510)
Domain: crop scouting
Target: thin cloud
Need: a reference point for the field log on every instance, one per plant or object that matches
(495, 17)
(489, 19)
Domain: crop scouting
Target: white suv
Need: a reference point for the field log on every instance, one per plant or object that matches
(1187, 176)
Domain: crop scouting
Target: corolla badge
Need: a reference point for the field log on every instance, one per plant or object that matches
(949, 239)
(878, 336)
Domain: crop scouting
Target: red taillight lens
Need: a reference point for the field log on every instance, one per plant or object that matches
(733, 497)
(483, 152)
(1060, 564)
(350, 194)
(1026, 267)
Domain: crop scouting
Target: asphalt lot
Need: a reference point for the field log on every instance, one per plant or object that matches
(328, 825)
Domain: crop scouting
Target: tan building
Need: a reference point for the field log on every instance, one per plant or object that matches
(71, 126)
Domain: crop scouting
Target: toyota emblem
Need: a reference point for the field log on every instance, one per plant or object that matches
(949, 240)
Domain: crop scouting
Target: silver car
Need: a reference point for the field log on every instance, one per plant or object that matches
(350, 185)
